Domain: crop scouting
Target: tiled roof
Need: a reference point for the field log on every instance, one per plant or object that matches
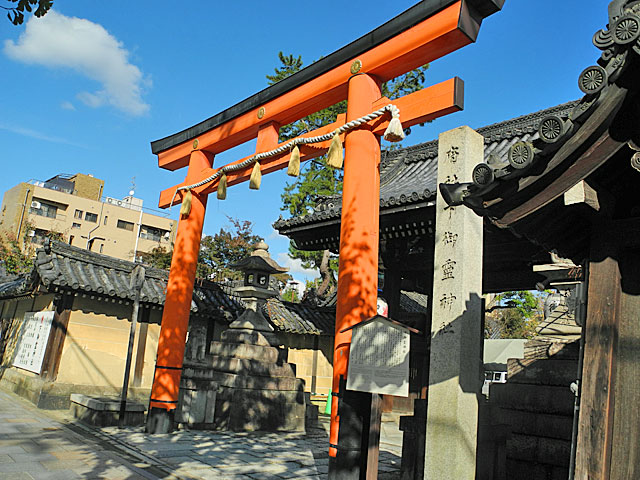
(408, 175)
(17, 286)
(63, 267)
(300, 318)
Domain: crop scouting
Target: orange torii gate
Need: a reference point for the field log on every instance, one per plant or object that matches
(425, 32)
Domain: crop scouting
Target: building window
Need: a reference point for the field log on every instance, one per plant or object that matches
(123, 224)
(101, 247)
(152, 233)
(43, 209)
(78, 214)
(91, 217)
(75, 225)
(104, 222)
(38, 236)
(71, 237)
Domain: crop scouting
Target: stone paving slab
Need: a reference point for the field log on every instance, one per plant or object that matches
(51, 445)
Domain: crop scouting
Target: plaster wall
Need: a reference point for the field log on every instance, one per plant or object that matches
(301, 353)
(95, 348)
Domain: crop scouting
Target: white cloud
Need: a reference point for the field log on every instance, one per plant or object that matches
(66, 105)
(27, 132)
(57, 41)
(295, 267)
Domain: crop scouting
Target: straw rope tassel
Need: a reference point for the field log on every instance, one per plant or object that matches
(294, 162)
(335, 156)
(256, 177)
(394, 132)
(185, 209)
(222, 187)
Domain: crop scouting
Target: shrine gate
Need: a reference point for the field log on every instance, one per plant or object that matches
(425, 32)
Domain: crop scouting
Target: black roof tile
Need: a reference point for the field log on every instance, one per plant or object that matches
(408, 175)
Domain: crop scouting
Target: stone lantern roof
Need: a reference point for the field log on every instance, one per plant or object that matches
(259, 260)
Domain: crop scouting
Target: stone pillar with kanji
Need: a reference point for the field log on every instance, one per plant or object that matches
(455, 375)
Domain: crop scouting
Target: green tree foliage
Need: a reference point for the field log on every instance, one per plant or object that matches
(219, 251)
(158, 257)
(316, 179)
(517, 315)
(12, 258)
(16, 13)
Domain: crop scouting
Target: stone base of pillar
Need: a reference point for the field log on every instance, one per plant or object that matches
(159, 421)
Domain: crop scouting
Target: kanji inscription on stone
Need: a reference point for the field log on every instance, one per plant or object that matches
(455, 367)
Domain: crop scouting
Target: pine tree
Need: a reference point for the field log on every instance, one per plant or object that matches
(316, 178)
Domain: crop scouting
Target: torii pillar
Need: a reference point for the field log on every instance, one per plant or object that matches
(357, 276)
(173, 334)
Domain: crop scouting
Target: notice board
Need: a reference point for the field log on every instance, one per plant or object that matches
(379, 358)
(33, 341)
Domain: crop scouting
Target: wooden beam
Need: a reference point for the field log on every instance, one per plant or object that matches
(436, 36)
(418, 107)
(582, 192)
(595, 424)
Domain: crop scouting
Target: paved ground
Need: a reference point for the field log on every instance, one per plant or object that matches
(37, 444)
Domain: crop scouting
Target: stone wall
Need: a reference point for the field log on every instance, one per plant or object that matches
(537, 405)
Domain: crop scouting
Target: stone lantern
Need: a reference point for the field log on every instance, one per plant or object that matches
(257, 268)
(257, 387)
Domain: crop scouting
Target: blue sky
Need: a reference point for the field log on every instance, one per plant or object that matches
(89, 86)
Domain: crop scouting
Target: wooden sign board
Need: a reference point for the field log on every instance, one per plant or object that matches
(379, 358)
(33, 341)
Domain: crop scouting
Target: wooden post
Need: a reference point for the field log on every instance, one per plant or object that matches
(625, 456)
(177, 307)
(141, 348)
(375, 425)
(357, 274)
(135, 283)
(51, 362)
(455, 373)
(595, 423)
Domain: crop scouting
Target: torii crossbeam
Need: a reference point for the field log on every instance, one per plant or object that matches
(425, 32)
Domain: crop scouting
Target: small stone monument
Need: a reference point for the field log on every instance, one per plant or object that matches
(258, 389)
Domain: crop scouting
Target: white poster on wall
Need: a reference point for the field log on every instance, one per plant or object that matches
(33, 341)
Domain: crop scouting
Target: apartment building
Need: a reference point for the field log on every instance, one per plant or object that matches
(74, 207)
